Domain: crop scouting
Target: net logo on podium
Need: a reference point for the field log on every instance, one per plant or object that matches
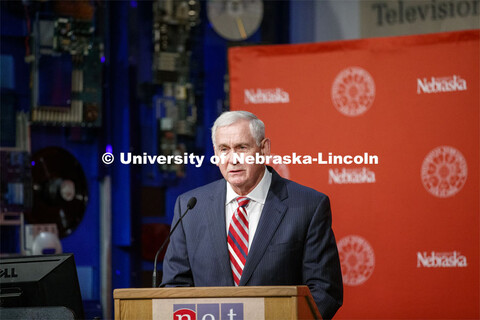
(228, 308)
(208, 311)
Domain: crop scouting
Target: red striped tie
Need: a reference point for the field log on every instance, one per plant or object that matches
(238, 239)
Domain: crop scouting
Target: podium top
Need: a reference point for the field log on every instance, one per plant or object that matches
(211, 292)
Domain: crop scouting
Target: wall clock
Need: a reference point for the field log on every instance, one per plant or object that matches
(235, 19)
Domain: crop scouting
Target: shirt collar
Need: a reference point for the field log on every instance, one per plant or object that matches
(259, 194)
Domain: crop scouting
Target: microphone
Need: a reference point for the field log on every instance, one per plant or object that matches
(191, 203)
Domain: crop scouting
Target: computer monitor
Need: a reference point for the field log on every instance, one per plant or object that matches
(40, 281)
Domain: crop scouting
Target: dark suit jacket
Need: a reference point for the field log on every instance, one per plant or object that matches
(293, 244)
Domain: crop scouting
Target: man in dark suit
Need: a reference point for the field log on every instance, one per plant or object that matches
(253, 227)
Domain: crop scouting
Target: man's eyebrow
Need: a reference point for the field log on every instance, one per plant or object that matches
(242, 144)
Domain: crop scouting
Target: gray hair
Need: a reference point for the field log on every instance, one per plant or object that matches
(257, 127)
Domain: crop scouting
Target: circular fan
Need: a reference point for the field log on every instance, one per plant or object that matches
(60, 192)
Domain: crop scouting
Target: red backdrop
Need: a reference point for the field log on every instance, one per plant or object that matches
(408, 227)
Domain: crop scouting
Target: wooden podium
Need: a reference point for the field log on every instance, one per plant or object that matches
(216, 303)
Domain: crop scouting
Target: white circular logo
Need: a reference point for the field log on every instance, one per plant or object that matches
(353, 91)
(357, 260)
(444, 171)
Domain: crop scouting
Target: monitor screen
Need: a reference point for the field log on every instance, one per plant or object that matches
(40, 281)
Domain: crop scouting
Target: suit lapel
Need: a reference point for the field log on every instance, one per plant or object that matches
(216, 219)
(272, 214)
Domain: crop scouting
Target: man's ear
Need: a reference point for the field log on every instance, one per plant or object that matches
(265, 147)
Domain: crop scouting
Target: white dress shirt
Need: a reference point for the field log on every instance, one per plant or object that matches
(254, 209)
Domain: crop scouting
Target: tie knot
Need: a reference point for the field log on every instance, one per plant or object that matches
(243, 201)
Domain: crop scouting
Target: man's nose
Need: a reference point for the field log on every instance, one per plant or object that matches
(232, 159)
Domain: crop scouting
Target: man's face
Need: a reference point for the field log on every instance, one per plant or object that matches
(237, 138)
